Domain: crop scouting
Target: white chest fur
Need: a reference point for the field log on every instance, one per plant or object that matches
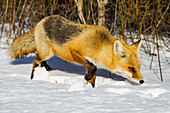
(98, 64)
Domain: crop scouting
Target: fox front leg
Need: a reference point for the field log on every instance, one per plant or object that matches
(90, 68)
(91, 73)
(36, 63)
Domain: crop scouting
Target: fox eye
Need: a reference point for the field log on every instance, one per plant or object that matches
(132, 68)
(123, 56)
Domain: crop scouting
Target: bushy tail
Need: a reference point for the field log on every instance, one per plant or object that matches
(23, 45)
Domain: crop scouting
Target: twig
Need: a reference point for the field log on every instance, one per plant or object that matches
(115, 17)
(20, 17)
(140, 29)
(4, 27)
(25, 16)
(13, 22)
(163, 15)
(160, 69)
(153, 52)
(91, 7)
(128, 12)
(165, 56)
(121, 20)
(164, 42)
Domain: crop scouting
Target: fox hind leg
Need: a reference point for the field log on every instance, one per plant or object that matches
(41, 59)
(36, 63)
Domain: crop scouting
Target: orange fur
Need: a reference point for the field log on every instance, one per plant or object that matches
(89, 43)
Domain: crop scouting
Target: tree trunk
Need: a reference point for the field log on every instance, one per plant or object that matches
(80, 13)
(101, 12)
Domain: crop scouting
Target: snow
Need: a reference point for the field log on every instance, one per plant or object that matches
(64, 90)
(39, 71)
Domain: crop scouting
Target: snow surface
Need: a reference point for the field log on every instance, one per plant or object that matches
(64, 89)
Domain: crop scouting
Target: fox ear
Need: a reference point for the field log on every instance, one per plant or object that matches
(137, 44)
(119, 48)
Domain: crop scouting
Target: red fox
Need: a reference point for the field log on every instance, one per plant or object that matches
(88, 45)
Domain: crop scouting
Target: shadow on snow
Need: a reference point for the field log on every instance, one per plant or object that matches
(58, 64)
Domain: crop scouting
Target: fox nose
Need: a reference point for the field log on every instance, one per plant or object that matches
(141, 81)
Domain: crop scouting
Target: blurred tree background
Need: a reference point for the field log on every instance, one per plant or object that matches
(129, 19)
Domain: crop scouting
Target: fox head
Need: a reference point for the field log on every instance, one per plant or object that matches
(128, 61)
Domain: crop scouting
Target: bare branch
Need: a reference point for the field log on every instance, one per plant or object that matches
(80, 13)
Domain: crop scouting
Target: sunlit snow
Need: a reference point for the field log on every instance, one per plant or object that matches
(64, 90)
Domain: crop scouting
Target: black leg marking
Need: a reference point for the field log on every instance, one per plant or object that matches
(47, 67)
(91, 71)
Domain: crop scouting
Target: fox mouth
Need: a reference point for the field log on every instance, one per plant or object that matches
(133, 81)
(128, 76)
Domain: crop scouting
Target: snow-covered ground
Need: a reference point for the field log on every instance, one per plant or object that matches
(64, 90)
